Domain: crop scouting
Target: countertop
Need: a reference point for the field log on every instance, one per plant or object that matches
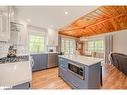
(82, 59)
(26, 54)
(15, 74)
(44, 53)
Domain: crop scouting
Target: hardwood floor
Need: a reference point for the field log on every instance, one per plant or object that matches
(113, 78)
(48, 79)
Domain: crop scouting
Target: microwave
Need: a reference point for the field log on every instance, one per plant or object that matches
(77, 70)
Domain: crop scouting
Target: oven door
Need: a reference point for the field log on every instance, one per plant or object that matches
(76, 69)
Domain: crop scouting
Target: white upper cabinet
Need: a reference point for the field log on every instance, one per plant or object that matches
(52, 37)
(22, 36)
(18, 34)
(18, 28)
(4, 24)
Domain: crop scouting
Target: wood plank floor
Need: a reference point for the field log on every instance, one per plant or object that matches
(48, 79)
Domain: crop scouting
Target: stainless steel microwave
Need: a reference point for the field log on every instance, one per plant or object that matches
(77, 70)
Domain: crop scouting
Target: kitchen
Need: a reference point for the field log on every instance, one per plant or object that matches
(38, 52)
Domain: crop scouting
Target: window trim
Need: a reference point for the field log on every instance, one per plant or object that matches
(37, 31)
(68, 39)
(44, 44)
(99, 51)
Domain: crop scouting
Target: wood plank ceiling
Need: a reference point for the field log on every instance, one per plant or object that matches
(102, 20)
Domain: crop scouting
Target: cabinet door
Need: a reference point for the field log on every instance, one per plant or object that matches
(64, 74)
(4, 24)
(22, 35)
(52, 37)
(76, 82)
(18, 33)
(42, 61)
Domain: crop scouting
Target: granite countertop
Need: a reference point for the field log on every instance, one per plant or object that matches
(82, 59)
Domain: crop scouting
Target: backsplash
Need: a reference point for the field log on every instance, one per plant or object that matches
(4, 49)
(52, 48)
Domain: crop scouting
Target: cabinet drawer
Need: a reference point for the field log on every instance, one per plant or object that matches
(64, 74)
(76, 82)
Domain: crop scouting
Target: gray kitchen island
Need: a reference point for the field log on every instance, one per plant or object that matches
(80, 72)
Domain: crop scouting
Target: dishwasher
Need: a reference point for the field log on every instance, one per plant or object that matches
(52, 60)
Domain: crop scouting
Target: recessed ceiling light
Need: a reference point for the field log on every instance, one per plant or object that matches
(66, 13)
(28, 20)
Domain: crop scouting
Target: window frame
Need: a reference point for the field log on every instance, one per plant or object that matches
(95, 46)
(40, 51)
(63, 46)
(37, 31)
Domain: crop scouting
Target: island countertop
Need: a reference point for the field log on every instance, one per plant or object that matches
(82, 59)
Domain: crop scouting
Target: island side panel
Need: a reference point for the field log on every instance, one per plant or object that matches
(94, 76)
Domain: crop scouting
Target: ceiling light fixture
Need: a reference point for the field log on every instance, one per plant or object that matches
(28, 20)
(66, 13)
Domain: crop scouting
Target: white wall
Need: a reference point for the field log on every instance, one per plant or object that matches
(120, 42)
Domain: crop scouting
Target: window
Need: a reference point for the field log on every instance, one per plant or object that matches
(95, 46)
(91, 46)
(68, 46)
(99, 46)
(36, 43)
(37, 39)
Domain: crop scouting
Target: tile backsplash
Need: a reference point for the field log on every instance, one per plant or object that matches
(4, 49)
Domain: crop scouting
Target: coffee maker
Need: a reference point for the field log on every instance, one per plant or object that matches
(11, 52)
